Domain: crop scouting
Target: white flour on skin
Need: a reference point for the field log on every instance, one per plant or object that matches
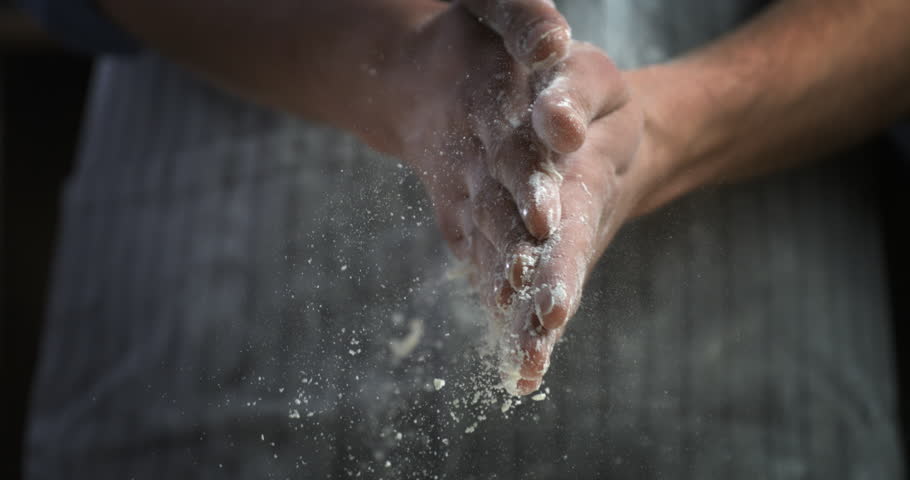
(539, 188)
(553, 58)
(542, 193)
(559, 88)
(527, 262)
(504, 16)
(551, 169)
(557, 294)
(502, 339)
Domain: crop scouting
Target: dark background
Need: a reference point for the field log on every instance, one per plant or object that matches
(42, 93)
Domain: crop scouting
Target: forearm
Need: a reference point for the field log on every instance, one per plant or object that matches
(323, 60)
(804, 79)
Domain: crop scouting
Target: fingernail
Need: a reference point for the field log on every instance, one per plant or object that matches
(520, 270)
(516, 273)
(554, 35)
(502, 292)
(543, 302)
(537, 34)
(531, 224)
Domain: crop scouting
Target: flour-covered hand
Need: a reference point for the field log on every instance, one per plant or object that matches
(602, 183)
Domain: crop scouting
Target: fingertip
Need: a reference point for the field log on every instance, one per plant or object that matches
(550, 44)
(537, 221)
(503, 292)
(541, 44)
(558, 123)
(527, 386)
(551, 307)
(520, 269)
(541, 208)
(557, 318)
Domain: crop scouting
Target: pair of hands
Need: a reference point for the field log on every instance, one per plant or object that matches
(535, 149)
(530, 147)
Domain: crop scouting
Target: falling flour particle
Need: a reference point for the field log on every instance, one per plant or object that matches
(506, 406)
(539, 397)
(438, 383)
(294, 414)
(344, 267)
(403, 347)
(500, 346)
(388, 464)
(398, 436)
(471, 428)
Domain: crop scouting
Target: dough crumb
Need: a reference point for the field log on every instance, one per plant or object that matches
(438, 383)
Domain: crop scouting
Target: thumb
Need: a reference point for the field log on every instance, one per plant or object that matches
(534, 32)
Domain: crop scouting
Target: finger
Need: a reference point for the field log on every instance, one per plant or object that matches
(537, 347)
(495, 286)
(523, 167)
(534, 32)
(497, 218)
(587, 86)
(567, 257)
(526, 351)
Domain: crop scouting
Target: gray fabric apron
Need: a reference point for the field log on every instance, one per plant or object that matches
(229, 280)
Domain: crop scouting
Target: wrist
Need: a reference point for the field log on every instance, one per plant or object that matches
(682, 137)
(661, 158)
